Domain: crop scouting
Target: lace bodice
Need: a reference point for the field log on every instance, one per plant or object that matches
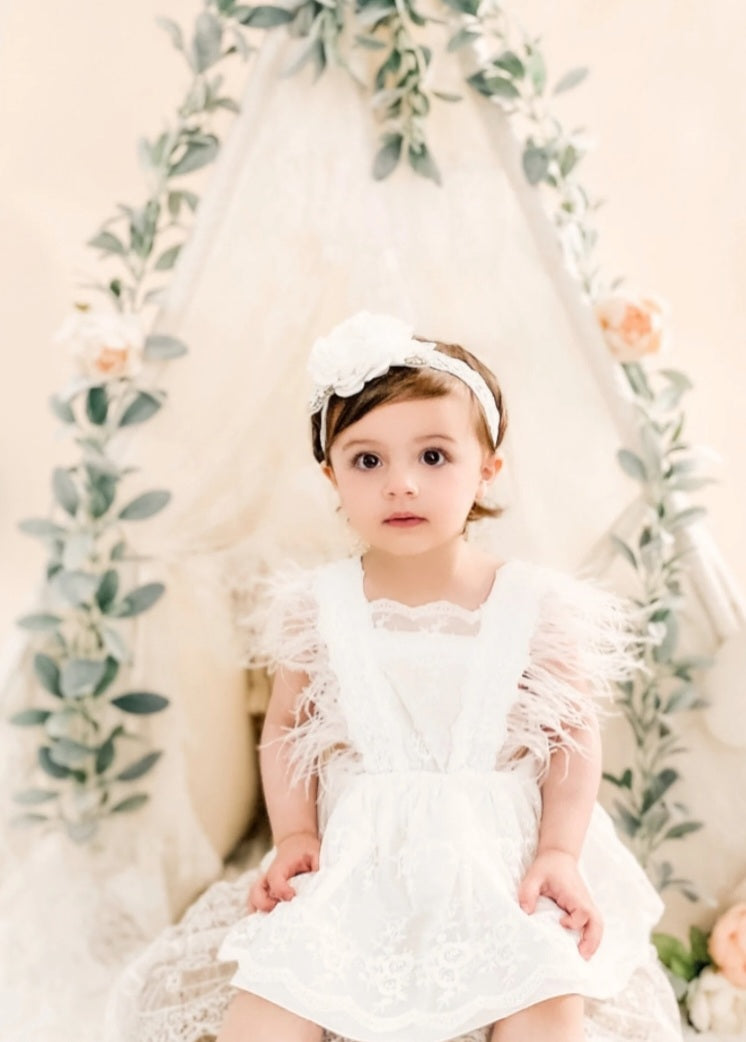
(437, 686)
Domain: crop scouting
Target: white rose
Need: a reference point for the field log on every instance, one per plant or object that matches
(357, 350)
(104, 344)
(714, 1004)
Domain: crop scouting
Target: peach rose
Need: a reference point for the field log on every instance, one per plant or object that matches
(105, 344)
(727, 944)
(632, 327)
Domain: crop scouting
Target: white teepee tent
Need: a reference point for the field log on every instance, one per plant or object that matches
(292, 235)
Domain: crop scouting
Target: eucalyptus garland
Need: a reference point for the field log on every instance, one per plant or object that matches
(83, 653)
(92, 755)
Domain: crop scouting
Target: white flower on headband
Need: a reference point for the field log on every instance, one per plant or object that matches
(357, 350)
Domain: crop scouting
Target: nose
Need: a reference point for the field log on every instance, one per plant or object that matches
(400, 482)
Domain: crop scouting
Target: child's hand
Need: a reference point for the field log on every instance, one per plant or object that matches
(555, 874)
(296, 853)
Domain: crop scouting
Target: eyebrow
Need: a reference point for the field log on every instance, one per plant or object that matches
(371, 441)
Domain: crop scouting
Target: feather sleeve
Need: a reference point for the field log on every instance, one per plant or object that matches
(279, 629)
(584, 642)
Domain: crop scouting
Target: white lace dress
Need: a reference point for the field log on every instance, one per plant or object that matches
(429, 728)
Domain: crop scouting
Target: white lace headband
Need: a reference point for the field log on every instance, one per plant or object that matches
(365, 346)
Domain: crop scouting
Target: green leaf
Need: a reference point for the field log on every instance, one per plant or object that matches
(510, 61)
(139, 767)
(146, 505)
(677, 831)
(39, 623)
(698, 941)
(97, 405)
(422, 162)
(102, 491)
(31, 797)
(105, 756)
(464, 6)
(446, 96)
(624, 549)
(66, 752)
(387, 157)
(537, 71)
(109, 675)
(461, 38)
(141, 409)
(64, 723)
(686, 517)
(21, 820)
(62, 410)
(81, 831)
(48, 673)
(115, 645)
(159, 346)
(535, 163)
(174, 31)
(370, 43)
(65, 491)
(627, 821)
(138, 600)
(682, 699)
(131, 803)
(143, 225)
(77, 550)
(657, 788)
(168, 258)
(107, 589)
(108, 242)
(570, 79)
(140, 702)
(39, 526)
(48, 765)
(79, 677)
(196, 155)
(76, 587)
(673, 953)
(29, 717)
(631, 464)
(206, 45)
(266, 16)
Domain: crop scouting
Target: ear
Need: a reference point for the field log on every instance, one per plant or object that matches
(328, 472)
(491, 465)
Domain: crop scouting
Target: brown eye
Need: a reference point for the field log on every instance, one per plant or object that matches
(366, 461)
(433, 457)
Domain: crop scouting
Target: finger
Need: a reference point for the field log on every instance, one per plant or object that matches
(262, 899)
(591, 938)
(576, 918)
(528, 893)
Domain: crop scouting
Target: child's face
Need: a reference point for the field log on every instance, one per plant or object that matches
(408, 472)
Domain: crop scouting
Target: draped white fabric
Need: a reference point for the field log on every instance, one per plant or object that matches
(292, 235)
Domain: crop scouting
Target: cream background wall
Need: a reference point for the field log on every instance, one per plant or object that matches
(79, 83)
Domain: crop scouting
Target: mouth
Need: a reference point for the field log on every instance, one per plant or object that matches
(403, 520)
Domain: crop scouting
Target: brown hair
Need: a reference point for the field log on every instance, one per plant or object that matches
(402, 383)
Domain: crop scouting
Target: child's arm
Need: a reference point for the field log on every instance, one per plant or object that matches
(291, 808)
(568, 794)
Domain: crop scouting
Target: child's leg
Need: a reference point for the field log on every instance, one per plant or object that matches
(555, 1020)
(253, 1019)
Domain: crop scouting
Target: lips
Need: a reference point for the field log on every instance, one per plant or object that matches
(403, 520)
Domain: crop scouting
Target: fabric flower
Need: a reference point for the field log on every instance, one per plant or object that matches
(632, 327)
(106, 345)
(357, 350)
(714, 1004)
(727, 945)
